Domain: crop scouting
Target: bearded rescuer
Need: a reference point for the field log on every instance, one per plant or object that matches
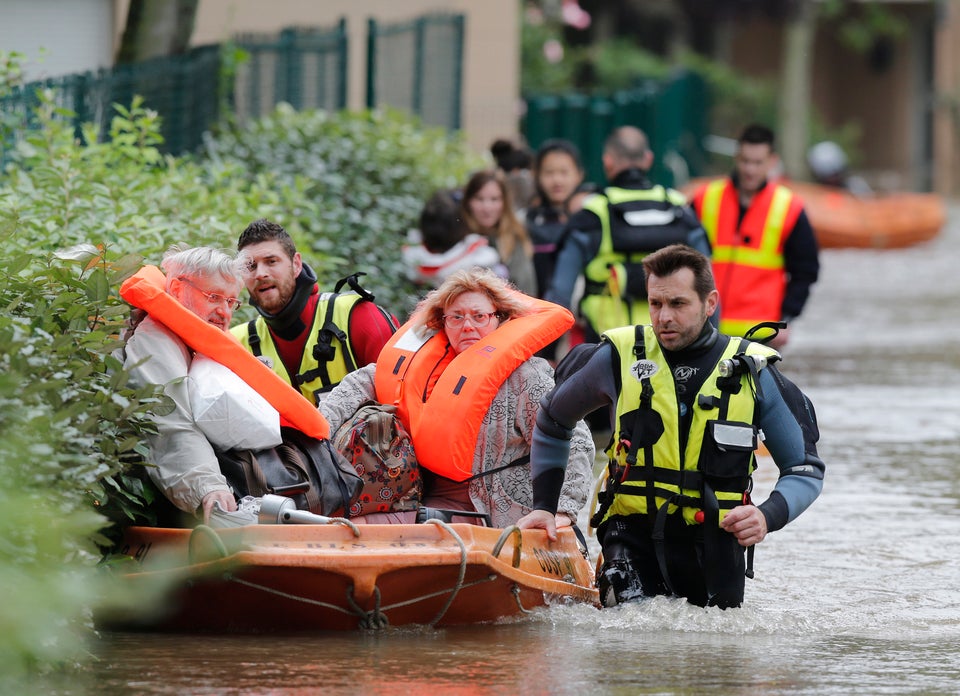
(688, 405)
(311, 339)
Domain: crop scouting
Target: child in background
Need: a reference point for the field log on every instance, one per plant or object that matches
(443, 244)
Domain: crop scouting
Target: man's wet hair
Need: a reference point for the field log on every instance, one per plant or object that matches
(264, 230)
(670, 259)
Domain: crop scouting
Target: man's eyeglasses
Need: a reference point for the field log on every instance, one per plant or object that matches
(212, 297)
(478, 319)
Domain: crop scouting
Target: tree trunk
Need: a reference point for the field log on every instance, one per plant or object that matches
(795, 95)
(157, 28)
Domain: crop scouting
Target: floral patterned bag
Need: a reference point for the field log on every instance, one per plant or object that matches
(379, 447)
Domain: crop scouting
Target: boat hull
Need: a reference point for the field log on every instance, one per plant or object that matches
(325, 577)
(884, 221)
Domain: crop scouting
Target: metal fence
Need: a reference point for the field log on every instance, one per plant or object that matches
(673, 113)
(184, 90)
(418, 66)
(305, 67)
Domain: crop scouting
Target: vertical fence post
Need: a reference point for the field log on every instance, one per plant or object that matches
(371, 63)
(419, 48)
(459, 27)
(342, 64)
(81, 85)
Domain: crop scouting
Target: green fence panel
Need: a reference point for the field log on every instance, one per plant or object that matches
(305, 67)
(183, 90)
(418, 66)
(672, 112)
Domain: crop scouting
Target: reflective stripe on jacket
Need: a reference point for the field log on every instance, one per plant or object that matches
(748, 263)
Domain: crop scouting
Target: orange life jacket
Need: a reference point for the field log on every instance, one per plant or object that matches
(748, 256)
(442, 397)
(146, 290)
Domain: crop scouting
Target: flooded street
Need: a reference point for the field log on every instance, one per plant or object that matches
(859, 595)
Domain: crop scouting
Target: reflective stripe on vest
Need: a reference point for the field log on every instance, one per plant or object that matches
(442, 398)
(336, 368)
(671, 472)
(747, 257)
(607, 308)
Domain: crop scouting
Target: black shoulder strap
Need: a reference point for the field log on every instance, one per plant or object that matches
(353, 280)
(519, 461)
(253, 338)
(324, 350)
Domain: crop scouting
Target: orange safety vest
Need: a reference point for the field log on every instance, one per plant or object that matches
(748, 257)
(442, 398)
(146, 290)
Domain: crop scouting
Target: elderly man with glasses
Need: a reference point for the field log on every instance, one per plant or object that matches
(207, 282)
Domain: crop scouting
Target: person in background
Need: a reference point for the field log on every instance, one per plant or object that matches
(558, 174)
(467, 309)
(443, 245)
(608, 238)
(487, 209)
(765, 254)
(514, 163)
(186, 470)
(311, 339)
(688, 404)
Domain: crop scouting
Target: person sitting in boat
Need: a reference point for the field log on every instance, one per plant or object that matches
(311, 339)
(466, 384)
(185, 467)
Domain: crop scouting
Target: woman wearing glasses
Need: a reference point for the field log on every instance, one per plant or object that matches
(207, 282)
(466, 384)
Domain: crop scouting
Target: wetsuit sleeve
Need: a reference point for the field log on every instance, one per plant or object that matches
(802, 264)
(370, 329)
(590, 387)
(789, 425)
(579, 244)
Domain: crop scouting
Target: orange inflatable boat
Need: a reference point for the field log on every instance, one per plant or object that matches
(881, 221)
(311, 577)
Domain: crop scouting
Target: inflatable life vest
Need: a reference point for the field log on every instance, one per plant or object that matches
(145, 290)
(442, 397)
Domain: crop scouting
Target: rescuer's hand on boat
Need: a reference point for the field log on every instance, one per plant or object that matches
(541, 519)
(747, 523)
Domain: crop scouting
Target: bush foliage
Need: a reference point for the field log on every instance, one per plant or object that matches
(75, 220)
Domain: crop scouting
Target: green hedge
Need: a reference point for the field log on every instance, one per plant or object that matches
(74, 222)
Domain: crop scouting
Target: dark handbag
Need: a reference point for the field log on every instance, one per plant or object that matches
(309, 471)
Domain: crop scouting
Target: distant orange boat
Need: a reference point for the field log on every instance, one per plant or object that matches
(313, 577)
(882, 221)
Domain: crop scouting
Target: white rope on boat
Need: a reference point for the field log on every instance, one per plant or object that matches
(376, 618)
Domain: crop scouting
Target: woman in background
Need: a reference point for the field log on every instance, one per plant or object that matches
(488, 210)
